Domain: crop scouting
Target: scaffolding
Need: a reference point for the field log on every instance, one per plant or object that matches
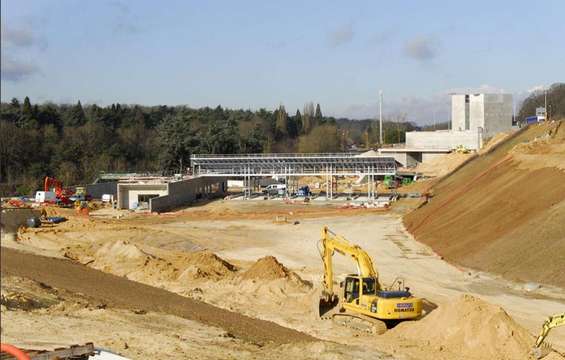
(251, 166)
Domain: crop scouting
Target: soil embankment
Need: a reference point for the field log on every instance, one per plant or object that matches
(504, 211)
(118, 292)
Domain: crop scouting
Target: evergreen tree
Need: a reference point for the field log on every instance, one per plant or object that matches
(27, 118)
(255, 140)
(318, 118)
(176, 141)
(75, 116)
(281, 123)
(298, 122)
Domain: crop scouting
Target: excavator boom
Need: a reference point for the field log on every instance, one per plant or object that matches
(332, 242)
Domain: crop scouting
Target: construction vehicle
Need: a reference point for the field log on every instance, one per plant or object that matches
(540, 349)
(362, 303)
(460, 149)
(52, 184)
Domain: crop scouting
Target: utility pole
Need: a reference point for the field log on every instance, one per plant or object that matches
(545, 105)
(381, 117)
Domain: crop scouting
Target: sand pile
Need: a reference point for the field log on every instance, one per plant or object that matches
(150, 265)
(269, 268)
(122, 250)
(442, 164)
(470, 328)
(123, 258)
(206, 265)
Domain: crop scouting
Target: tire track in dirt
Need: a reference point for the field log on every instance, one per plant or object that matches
(122, 293)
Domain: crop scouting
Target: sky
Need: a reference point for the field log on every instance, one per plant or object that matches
(259, 54)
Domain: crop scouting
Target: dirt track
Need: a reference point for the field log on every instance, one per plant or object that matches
(119, 292)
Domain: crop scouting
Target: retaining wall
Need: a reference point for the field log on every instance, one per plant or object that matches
(99, 189)
(182, 193)
(443, 139)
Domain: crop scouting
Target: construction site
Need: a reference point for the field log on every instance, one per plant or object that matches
(463, 261)
(264, 180)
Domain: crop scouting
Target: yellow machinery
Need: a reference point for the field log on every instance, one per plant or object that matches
(550, 323)
(361, 295)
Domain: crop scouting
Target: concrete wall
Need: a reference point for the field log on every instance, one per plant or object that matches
(398, 156)
(184, 192)
(497, 113)
(476, 111)
(491, 112)
(430, 156)
(442, 139)
(128, 193)
(458, 112)
(99, 189)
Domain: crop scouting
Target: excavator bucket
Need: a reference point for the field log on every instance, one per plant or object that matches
(542, 351)
(327, 306)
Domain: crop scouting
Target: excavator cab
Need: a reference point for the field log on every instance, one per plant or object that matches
(355, 286)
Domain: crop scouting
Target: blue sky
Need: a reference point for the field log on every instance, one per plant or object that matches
(253, 54)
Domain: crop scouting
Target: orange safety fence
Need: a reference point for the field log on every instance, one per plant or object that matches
(14, 351)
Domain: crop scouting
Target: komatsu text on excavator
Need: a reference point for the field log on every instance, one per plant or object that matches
(362, 298)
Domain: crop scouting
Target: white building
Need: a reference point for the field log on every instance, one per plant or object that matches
(474, 118)
(489, 113)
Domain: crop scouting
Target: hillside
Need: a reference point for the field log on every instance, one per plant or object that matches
(504, 211)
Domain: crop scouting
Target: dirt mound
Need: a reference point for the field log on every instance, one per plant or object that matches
(443, 164)
(206, 265)
(470, 328)
(121, 250)
(119, 293)
(269, 268)
(489, 213)
(151, 265)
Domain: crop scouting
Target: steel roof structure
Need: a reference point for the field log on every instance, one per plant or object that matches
(326, 164)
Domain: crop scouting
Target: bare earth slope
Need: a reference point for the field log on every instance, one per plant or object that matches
(504, 211)
(119, 292)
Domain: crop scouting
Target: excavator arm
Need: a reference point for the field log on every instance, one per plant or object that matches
(330, 243)
(551, 322)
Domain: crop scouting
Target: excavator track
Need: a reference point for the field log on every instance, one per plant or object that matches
(351, 320)
(360, 322)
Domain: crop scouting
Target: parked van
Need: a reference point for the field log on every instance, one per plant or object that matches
(275, 189)
(45, 196)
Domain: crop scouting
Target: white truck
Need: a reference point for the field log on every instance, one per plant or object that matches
(45, 196)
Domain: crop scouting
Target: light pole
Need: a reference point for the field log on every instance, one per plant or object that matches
(381, 117)
(545, 105)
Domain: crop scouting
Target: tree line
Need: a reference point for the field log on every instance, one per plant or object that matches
(555, 97)
(75, 143)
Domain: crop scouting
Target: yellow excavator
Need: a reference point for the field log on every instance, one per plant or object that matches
(362, 302)
(554, 321)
